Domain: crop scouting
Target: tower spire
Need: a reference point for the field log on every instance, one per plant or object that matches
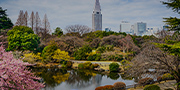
(97, 17)
(97, 7)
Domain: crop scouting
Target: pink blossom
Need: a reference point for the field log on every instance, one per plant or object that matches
(14, 74)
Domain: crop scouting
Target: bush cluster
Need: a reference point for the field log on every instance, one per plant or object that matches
(87, 65)
(115, 86)
(146, 81)
(96, 57)
(81, 53)
(152, 87)
(114, 67)
(119, 86)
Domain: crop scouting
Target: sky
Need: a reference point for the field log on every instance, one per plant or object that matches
(62, 13)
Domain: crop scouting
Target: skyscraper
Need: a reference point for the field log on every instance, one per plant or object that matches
(97, 17)
(139, 28)
(125, 26)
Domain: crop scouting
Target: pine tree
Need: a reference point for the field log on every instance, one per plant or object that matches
(5, 22)
(173, 21)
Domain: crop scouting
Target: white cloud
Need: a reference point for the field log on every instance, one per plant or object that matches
(67, 12)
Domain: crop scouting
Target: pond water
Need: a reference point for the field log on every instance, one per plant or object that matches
(62, 79)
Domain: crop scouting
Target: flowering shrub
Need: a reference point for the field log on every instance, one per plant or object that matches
(14, 74)
(32, 58)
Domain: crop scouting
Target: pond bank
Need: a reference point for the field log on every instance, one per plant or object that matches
(163, 85)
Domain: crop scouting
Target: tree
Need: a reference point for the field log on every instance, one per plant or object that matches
(81, 29)
(174, 68)
(173, 21)
(45, 30)
(5, 22)
(37, 23)
(22, 38)
(26, 18)
(20, 20)
(154, 61)
(14, 75)
(58, 32)
(32, 20)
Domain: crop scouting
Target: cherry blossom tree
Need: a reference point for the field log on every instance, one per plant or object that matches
(14, 74)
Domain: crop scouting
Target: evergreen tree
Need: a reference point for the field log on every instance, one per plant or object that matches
(5, 22)
(173, 22)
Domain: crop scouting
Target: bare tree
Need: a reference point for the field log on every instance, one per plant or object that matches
(32, 20)
(20, 20)
(82, 29)
(26, 17)
(37, 23)
(45, 30)
(152, 61)
(127, 44)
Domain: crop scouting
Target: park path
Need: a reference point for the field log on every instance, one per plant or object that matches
(95, 62)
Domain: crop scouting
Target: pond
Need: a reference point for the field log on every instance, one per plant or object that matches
(62, 79)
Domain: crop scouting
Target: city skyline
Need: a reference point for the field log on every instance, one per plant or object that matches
(62, 13)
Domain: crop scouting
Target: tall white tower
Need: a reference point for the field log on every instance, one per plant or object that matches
(97, 17)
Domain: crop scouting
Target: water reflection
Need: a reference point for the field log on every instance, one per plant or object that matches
(62, 79)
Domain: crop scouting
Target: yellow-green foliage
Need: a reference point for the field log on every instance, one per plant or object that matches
(151, 87)
(167, 76)
(61, 55)
(32, 58)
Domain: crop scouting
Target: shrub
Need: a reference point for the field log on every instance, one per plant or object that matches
(167, 76)
(81, 66)
(49, 51)
(87, 65)
(60, 55)
(67, 64)
(99, 88)
(146, 81)
(81, 53)
(31, 57)
(119, 86)
(114, 67)
(151, 87)
(22, 38)
(108, 87)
